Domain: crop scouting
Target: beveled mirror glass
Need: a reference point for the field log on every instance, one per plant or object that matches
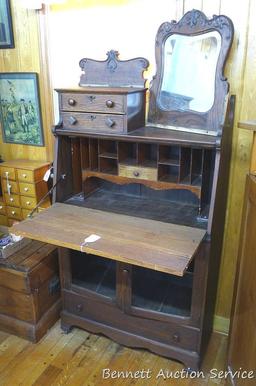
(189, 90)
(189, 69)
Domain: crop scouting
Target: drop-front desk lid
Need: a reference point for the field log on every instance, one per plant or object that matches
(148, 243)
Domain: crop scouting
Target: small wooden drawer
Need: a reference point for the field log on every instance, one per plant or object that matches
(2, 208)
(25, 175)
(84, 122)
(142, 173)
(27, 189)
(28, 202)
(3, 220)
(105, 103)
(25, 213)
(8, 172)
(12, 200)
(14, 188)
(14, 212)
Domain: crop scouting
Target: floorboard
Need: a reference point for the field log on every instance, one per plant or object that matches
(78, 359)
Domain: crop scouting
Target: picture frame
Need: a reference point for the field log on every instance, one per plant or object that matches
(6, 29)
(20, 111)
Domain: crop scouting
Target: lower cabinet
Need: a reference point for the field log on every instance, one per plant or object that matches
(135, 306)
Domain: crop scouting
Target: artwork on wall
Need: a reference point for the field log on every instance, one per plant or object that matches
(20, 109)
(6, 31)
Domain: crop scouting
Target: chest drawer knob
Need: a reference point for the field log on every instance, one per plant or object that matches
(11, 199)
(26, 189)
(24, 175)
(28, 203)
(13, 212)
(110, 103)
(72, 120)
(176, 337)
(136, 173)
(71, 102)
(79, 307)
(110, 122)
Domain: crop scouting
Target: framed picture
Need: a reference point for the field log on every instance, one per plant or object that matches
(6, 31)
(20, 109)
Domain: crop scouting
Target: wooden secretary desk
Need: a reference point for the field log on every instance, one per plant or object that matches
(139, 208)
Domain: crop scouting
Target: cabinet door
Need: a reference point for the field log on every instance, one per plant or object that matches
(242, 344)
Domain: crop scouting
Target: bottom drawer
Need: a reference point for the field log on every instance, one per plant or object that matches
(14, 213)
(109, 314)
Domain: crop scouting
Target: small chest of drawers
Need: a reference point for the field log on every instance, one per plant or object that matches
(22, 186)
(102, 110)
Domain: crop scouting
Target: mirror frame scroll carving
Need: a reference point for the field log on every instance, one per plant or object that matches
(210, 122)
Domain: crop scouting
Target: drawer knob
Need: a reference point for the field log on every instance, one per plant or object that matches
(71, 102)
(24, 175)
(92, 117)
(72, 120)
(26, 189)
(176, 337)
(1, 207)
(110, 103)
(110, 122)
(13, 212)
(79, 307)
(136, 173)
(28, 202)
(11, 199)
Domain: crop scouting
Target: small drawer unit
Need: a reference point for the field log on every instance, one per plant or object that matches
(102, 109)
(23, 187)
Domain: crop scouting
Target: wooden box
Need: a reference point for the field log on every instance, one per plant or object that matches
(29, 291)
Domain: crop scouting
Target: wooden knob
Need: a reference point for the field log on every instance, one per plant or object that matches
(72, 120)
(24, 175)
(1, 207)
(26, 189)
(28, 202)
(11, 199)
(71, 102)
(176, 337)
(79, 307)
(136, 173)
(13, 212)
(110, 103)
(110, 122)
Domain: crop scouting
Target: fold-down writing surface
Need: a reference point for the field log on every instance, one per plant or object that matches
(147, 243)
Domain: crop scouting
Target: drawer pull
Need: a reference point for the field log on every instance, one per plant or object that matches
(176, 337)
(72, 120)
(13, 212)
(79, 307)
(71, 102)
(26, 189)
(91, 98)
(1, 207)
(11, 199)
(136, 173)
(110, 103)
(28, 203)
(92, 117)
(110, 122)
(24, 175)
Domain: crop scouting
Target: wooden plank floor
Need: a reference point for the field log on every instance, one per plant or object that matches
(78, 359)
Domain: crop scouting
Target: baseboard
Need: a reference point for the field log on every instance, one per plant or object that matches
(221, 324)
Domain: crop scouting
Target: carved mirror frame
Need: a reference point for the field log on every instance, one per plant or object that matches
(210, 122)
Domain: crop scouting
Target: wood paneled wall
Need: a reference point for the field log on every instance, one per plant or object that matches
(30, 54)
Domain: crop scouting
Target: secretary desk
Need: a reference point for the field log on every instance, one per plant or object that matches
(140, 206)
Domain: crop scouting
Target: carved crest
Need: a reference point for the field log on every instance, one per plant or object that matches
(113, 72)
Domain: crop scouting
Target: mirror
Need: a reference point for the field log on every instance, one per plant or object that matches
(189, 69)
(189, 90)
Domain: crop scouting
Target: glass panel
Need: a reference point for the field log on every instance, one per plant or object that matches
(158, 291)
(94, 273)
(189, 72)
